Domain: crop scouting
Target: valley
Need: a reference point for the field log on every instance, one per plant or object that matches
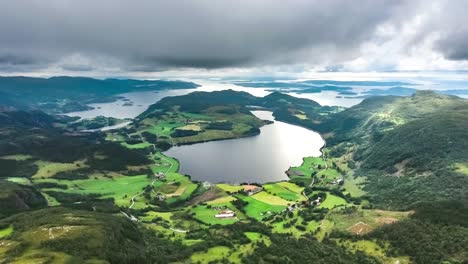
(68, 192)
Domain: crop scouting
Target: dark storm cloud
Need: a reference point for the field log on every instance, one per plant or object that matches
(154, 35)
(452, 28)
(15, 59)
(202, 33)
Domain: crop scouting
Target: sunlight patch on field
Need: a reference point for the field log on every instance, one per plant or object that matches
(270, 199)
(49, 169)
(229, 188)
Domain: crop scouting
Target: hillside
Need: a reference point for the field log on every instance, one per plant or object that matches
(60, 235)
(369, 119)
(15, 198)
(410, 149)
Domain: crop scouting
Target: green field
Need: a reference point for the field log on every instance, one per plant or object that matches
(332, 201)
(309, 165)
(229, 188)
(353, 186)
(373, 249)
(49, 169)
(270, 199)
(162, 128)
(17, 157)
(285, 191)
(185, 189)
(192, 127)
(207, 215)
(291, 186)
(152, 215)
(164, 163)
(120, 188)
(222, 200)
(461, 168)
(363, 221)
(6, 232)
(257, 209)
(24, 181)
(136, 146)
(213, 254)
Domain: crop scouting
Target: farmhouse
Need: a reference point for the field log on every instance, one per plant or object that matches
(160, 175)
(337, 181)
(225, 214)
(252, 189)
(293, 207)
(160, 197)
(316, 202)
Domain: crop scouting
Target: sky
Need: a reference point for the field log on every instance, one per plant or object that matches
(299, 38)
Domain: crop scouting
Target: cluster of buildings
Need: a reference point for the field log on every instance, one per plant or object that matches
(160, 175)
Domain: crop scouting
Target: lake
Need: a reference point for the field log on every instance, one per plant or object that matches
(135, 103)
(262, 158)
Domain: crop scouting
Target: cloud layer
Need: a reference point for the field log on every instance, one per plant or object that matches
(151, 35)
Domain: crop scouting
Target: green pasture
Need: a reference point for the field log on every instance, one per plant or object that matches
(332, 201)
(258, 209)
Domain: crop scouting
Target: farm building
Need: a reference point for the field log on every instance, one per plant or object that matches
(225, 214)
(316, 202)
(252, 189)
(160, 175)
(337, 181)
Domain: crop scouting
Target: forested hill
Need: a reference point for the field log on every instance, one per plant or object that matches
(410, 149)
(375, 115)
(66, 94)
(281, 104)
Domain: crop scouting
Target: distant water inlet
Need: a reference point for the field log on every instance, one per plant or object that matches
(258, 159)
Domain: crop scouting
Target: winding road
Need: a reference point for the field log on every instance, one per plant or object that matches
(152, 183)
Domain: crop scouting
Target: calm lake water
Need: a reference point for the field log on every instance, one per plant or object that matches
(262, 158)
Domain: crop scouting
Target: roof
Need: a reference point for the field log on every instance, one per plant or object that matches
(250, 187)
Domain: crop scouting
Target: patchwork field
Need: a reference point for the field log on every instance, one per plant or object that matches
(120, 188)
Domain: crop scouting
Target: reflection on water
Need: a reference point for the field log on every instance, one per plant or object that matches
(262, 158)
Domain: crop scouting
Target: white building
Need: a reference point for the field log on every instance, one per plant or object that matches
(225, 214)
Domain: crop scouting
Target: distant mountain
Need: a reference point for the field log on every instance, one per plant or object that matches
(356, 83)
(65, 94)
